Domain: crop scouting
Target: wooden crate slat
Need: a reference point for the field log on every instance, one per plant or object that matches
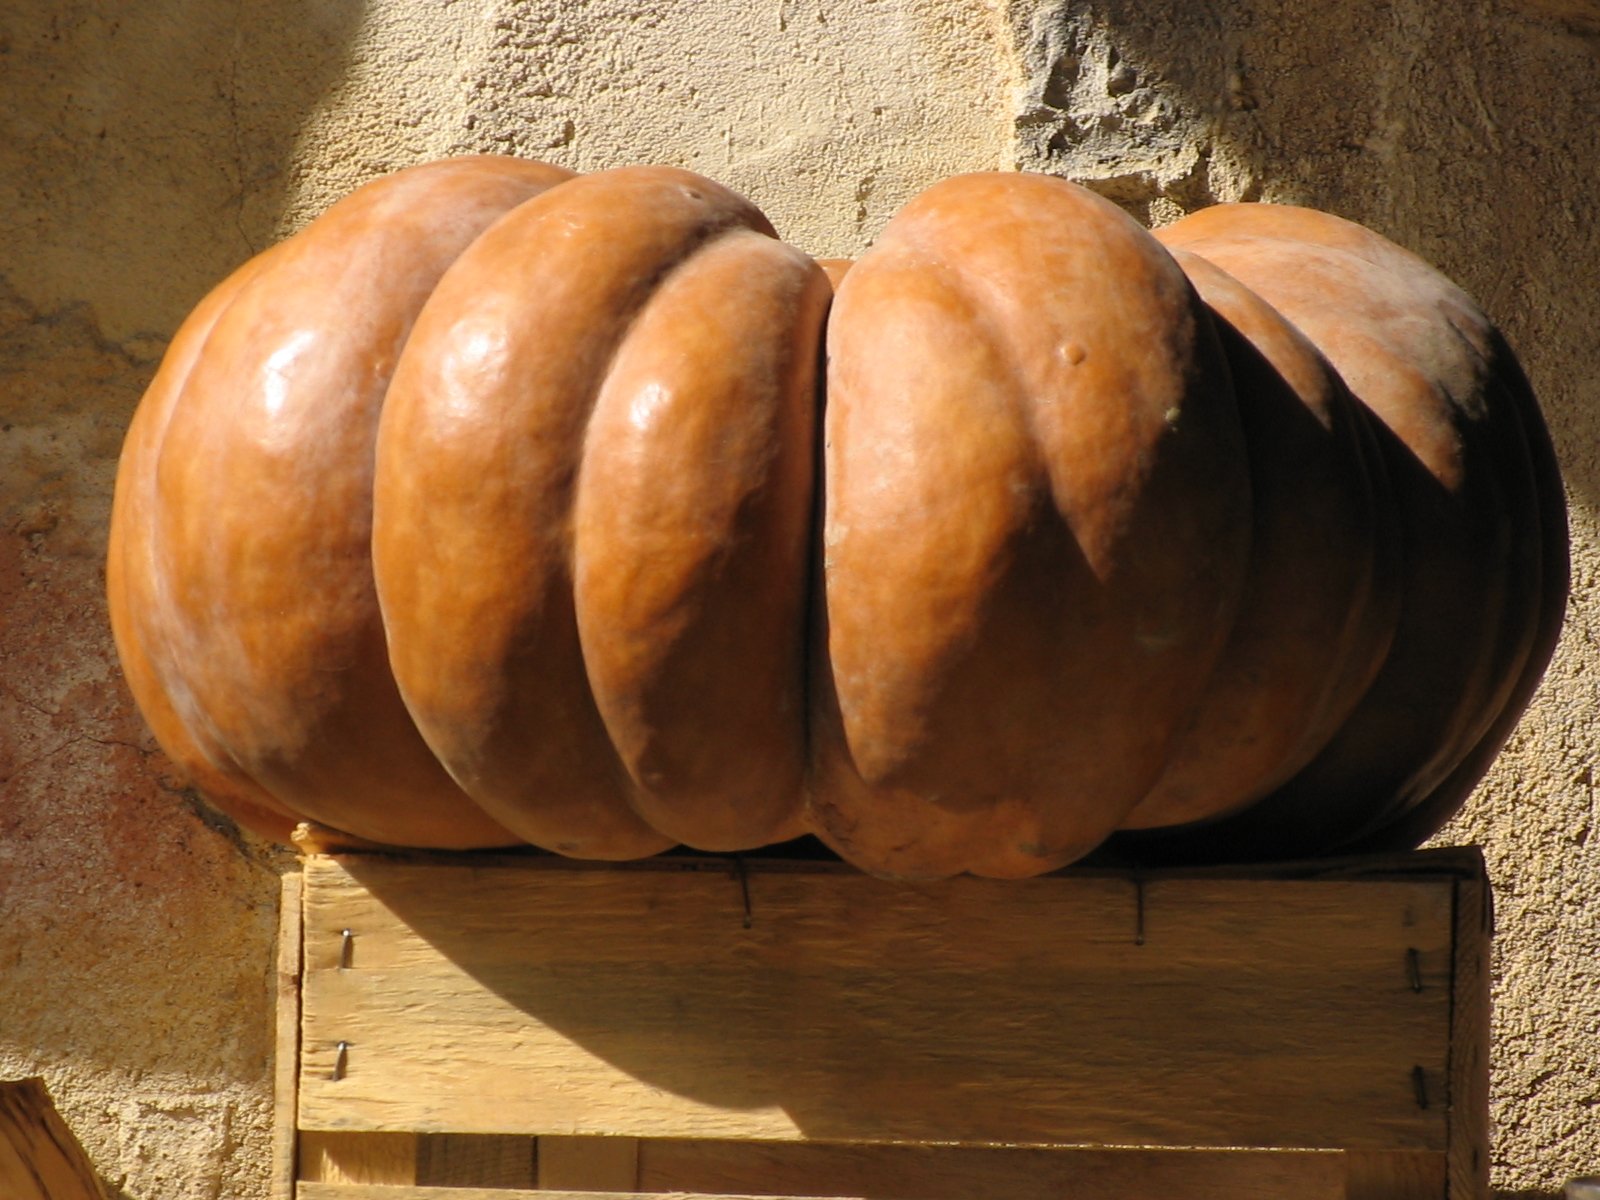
(501, 1160)
(526, 998)
(1469, 1039)
(905, 1172)
(286, 1040)
(40, 1158)
(334, 1191)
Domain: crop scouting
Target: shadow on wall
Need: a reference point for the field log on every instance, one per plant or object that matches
(146, 148)
(1438, 128)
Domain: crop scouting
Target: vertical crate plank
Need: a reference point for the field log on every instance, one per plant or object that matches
(598, 1164)
(286, 1044)
(1468, 1149)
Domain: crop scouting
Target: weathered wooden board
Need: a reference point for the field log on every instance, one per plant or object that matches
(597, 1163)
(435, 1159)
(530, 997)
(1469, 1038)
(286, 1042)
(905, 1172)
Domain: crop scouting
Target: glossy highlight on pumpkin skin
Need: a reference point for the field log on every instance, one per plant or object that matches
(273, 655)
(610, 510)
(133, 584)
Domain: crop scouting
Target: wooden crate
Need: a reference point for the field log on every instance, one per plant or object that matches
(493, 1029)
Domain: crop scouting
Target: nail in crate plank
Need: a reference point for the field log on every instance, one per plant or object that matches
(529, 998)
(907, 1172)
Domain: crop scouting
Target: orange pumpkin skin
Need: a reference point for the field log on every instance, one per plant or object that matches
(255, 632)
(1321, 598)
(136, 614)
(1484, 577)
(593, 502)
(1035, 530)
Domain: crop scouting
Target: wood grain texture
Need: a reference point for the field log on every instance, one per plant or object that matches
(1469, 1041)
(526, 997)
(1394, 1175)
(387, 1158)
(498, 1160)
(601, 1164)
(39, 1157)
(286, 1042)
(961, 1172)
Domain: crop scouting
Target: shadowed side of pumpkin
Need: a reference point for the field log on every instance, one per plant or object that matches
(1035, 530)
(1321, 599)
(1483, 583)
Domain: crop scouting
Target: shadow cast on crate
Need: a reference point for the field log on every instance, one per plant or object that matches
(780, 999)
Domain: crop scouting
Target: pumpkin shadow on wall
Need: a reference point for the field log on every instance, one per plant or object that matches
(1391, 116)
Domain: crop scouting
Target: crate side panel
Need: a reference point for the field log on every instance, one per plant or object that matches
(1211, 1012)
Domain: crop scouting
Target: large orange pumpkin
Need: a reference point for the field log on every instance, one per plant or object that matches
(506, 505)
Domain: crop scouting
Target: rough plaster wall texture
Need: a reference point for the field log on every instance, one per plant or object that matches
(829, 114)
(145, 150)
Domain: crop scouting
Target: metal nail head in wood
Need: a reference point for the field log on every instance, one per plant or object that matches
(341, 1056)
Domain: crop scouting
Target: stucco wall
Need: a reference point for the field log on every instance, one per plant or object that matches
(146, 149)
